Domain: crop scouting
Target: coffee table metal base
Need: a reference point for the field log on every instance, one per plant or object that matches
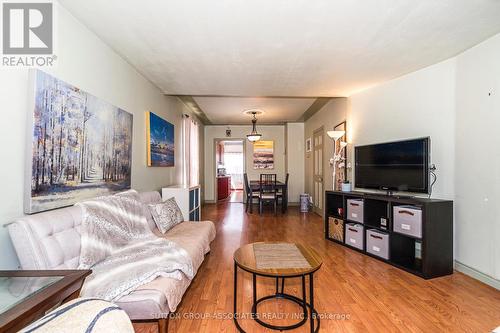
(308, 310)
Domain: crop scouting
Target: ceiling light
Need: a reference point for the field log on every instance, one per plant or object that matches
(253, 111)
(254, 135)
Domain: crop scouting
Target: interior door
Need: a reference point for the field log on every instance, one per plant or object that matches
(318, 171)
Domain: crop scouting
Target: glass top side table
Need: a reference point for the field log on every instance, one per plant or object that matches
(15, 289)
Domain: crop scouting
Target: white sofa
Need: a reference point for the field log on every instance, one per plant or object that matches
(51, 240)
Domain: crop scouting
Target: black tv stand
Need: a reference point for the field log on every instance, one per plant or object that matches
(397, 196)
(428, 256)
(390, 193)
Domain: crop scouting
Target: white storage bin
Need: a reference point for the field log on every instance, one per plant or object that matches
(407, 220)
(354, 235)
(355, 210)
(377, 243)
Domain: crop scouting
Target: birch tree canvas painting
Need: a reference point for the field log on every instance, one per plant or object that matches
(81, 146)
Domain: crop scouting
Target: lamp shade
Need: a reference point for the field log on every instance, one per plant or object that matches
(343, 144)
(254, 137)
(335, 135)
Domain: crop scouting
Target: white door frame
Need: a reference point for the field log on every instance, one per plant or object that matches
(216, 142)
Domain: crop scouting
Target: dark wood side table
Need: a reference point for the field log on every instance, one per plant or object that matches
(245, 259)
(26, 296)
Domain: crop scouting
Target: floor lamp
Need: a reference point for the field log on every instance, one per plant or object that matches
(337, 153)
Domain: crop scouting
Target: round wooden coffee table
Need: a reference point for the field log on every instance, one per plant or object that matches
(279, 261)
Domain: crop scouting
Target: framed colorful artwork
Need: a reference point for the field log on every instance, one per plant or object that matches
(160, 141)
(263, 155)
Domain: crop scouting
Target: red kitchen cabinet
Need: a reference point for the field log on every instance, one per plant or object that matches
(223, 187)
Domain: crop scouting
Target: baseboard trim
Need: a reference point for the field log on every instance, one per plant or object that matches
(490, 281)
(209, 201)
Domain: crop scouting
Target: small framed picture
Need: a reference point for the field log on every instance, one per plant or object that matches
(308, 145)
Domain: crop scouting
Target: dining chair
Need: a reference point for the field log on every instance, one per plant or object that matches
(250, 195)
(282, 194)
(267, 190)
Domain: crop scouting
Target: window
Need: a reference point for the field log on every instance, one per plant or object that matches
(191, 151)
(233, 162)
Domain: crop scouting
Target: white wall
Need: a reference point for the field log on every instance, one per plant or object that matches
(86, 62)
(415, 105)
(477, 160)
(274, 133)
(457, 103)
(330, 115)
(295, 162)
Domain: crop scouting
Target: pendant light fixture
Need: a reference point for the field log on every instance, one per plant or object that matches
(254, 136)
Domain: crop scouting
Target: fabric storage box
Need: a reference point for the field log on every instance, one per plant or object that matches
(336, 229)
(354, 235)
(355, 210)
(377, 243)
(407, 220)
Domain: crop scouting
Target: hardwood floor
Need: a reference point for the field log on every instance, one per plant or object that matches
(236, 196)
(353, 292)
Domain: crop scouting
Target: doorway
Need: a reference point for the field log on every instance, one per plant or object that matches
(230, 166)
(318, 171)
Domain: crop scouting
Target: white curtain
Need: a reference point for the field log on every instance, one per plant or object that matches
(194, 152)
(191, 166)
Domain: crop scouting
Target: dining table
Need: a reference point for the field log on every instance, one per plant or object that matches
(255, 187)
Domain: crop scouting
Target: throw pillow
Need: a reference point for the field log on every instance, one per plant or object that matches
(166, 214)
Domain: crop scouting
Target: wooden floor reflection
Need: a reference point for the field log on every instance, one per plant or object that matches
(353, 292)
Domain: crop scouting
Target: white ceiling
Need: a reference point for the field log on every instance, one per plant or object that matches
(287, 48)
(284, 47)
(229, 110)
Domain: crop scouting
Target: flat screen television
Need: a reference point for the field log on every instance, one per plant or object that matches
(393, 166)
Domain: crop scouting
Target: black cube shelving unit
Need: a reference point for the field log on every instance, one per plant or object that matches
(428, 256)
(375, 211)
(336, 207)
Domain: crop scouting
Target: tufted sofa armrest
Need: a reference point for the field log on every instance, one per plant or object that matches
(49, 240)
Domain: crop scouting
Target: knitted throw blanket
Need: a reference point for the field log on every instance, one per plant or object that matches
(121, 250)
